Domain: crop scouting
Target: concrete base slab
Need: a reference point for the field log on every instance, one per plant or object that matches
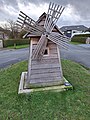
(23, 89)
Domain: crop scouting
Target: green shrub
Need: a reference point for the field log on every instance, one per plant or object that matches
(83, 35)
(80, 38)
(11, 42)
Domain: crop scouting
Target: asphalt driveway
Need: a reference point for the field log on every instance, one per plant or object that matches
(11, 56)
(77, 53)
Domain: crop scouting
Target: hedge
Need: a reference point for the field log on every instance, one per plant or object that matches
(11, 42)
(81, 38)
(83, 35)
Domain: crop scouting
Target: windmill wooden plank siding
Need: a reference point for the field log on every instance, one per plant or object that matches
(47, 69)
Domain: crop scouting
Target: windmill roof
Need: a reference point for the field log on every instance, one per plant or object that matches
(43, 16)
(27, 35)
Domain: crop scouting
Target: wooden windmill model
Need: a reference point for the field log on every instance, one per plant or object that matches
(44, 67)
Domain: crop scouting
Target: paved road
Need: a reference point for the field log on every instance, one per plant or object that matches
(79, 54)
(9, 57)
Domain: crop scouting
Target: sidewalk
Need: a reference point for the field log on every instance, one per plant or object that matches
(87, 46)
(1, 49)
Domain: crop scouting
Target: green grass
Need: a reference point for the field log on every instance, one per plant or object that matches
(75, 43)
(18, 46)
(66, 105)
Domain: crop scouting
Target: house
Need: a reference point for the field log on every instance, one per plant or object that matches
(3, 34)
(69, 31)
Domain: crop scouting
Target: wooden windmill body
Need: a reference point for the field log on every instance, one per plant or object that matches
(44, 65)
(48, 70)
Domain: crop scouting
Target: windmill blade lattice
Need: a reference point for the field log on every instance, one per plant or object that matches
(39, 50)
(28, 24)
(61, 40)
(53, 14)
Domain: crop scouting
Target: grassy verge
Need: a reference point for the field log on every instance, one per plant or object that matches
(67, 105)
(75, 43)
(18, 46)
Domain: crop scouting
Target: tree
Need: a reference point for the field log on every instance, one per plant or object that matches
(21, 33)
(12, 28)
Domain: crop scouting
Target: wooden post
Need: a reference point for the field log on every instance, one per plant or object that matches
(14, 45)
(29, 61)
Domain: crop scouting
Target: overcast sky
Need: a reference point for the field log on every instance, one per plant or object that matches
(77, 12)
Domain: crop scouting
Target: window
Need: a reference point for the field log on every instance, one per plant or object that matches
(35, 44)
(46, 51)
(74, 31)
(68, 31)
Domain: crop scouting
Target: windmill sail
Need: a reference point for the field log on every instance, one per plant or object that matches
(52, 17)
(39, 50)
(53, 14)
(29, 24)
(60, 40)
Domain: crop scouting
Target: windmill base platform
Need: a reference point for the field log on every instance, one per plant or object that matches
(55, 87)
